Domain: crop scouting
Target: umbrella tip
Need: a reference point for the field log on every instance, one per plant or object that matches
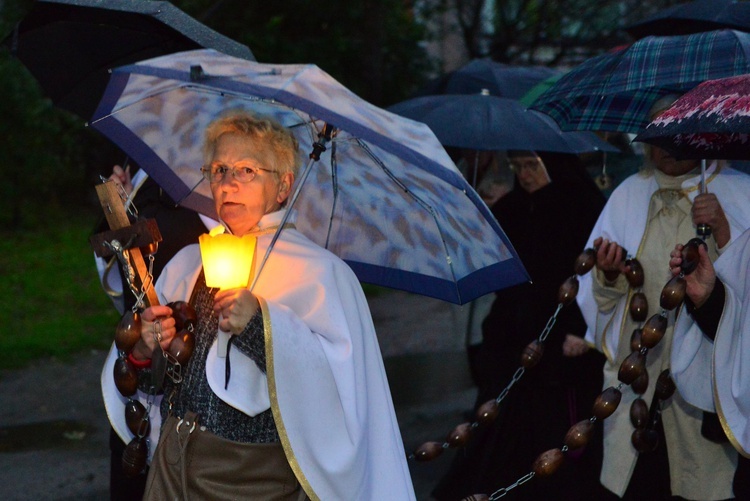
(197, 73)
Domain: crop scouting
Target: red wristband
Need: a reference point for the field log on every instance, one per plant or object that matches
(139, 364)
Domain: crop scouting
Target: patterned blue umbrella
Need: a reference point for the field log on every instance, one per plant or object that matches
(384, 196)
(614, 91)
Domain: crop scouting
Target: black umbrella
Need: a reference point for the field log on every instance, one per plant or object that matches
(69, 45)
(694, 17)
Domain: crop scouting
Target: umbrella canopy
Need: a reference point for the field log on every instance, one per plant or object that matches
(384, 196)
(711, 121)
(484, 122)
(614, 91)
(694, 17)
(498, 78)
(70, 45)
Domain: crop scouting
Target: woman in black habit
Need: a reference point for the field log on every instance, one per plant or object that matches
(548, 217)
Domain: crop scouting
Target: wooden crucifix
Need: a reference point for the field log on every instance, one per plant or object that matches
(126, 237)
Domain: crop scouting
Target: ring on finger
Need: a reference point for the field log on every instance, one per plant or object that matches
(157, 330)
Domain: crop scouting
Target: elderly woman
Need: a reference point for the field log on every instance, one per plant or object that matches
(296, 405)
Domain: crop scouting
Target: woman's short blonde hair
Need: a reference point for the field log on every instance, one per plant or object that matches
(282, 147)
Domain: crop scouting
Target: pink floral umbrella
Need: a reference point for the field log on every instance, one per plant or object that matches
(710, 121)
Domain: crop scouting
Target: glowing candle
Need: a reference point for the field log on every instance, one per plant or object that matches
(227, 259)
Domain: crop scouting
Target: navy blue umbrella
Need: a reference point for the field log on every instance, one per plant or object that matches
(484, 122)
(499, 79)
(694, 17)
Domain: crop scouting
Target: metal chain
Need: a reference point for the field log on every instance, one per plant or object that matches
(505, 490)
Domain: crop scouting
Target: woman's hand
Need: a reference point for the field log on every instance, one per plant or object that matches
(573, 346)
(156, 323)
(701, 282)
(609, 258)
(707, 210)
(122, 177)
(236, 307)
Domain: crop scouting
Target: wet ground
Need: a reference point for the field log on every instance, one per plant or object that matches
(54, 432)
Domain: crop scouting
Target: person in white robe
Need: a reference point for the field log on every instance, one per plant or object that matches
(710, 350)
(646, 216)
(319, 374)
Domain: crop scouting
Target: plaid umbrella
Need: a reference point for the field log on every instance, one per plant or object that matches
(614, 91)
(711, 121)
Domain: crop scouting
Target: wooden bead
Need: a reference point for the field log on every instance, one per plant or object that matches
(639, 413)
(128, 331)
(632, 367)
(184, 315)
(673, 293)
(126, 377)
(690, 256)
(606, 403)
(428, 451)
(665, 387)
(487, 411)
(532, 354)
(635, 340)
(653, 330)
(585, 261)
(634, 275)
(567, 292)
(134, 457)
(182, 345)
(638, 307)
(644, 440)
(134, 414)
(548, 462)
(460, 435)
(640, 385)
(579, 434)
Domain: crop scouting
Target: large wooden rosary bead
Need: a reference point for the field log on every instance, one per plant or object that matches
(639, 413)
(184, 315)
(460, 435)
(665, 387)
(632, 367)
(532, 354)
(644, 440)
(653, 330)
(634, 274)
(134, 457)
(126, 377)
(548, 462)
(488, 411)
(428, 451)
(585, 261)
(134, 414)
(567, 292)
(579, 434)
(182, 345)
(638, 307)
(635, 340)
(606, 403)
(640, 385)
(690, 256)
(128, 331)
(673, 293)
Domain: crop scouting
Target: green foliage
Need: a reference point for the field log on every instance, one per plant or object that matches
(373, 48)
(52, 302)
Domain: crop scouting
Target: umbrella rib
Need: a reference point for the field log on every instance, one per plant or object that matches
(335, 186)
(421, 202)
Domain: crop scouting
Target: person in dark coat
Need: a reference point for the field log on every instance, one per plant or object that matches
(547, 217)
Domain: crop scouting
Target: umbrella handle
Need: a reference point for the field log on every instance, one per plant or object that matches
(703, 230)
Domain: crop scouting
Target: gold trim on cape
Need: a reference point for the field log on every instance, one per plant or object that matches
(272, 393)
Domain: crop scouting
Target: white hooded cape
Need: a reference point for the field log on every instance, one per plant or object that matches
(326, 382)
